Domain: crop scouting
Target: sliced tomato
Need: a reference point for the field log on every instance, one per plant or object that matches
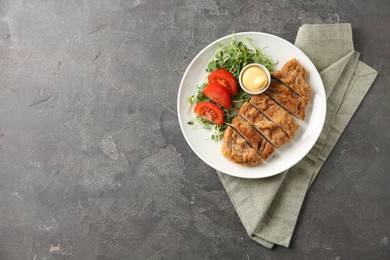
(225, 78)
(210, 112)
(219, 94)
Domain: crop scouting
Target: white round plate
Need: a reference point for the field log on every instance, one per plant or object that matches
(287, 155)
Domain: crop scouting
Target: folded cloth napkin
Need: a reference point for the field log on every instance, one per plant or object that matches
(269, 208)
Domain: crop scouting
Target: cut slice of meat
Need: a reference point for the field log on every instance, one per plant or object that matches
(262, 146)
(237, 149)
(275, 113)
(269, 129)
(257, 130)
(293, 75)
(289, 100)
(285, 85)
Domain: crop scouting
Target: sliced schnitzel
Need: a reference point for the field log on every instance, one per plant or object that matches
(266, 122)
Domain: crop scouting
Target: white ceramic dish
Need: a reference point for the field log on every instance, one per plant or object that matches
(199, 139)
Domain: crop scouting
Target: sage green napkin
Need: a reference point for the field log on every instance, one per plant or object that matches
(269, 208)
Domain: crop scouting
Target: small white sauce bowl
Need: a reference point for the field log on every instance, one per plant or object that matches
(266, 72)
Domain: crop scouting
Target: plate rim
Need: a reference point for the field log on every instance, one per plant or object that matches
(179, 94)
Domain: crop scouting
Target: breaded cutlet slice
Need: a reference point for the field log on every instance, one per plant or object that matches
(268, 128)
(289, 100)
(275, 113)
(237, 149)
(294, 75)
(256, 140)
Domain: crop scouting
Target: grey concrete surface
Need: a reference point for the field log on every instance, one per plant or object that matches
(93, 164)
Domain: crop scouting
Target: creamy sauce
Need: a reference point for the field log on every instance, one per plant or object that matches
(254, 79)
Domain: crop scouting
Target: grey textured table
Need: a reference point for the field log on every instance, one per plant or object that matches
(93, 164)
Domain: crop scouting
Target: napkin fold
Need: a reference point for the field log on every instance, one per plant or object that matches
(269, 208)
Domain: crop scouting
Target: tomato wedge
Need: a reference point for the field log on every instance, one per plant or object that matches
(219, 94)
(210, 112)
(225, 78)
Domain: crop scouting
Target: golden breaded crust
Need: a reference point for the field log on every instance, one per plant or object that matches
(293, 75)
(263, 123)
(292, 102)
(268, 128)
(277, 114)
(236, 149)
(257, 141)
